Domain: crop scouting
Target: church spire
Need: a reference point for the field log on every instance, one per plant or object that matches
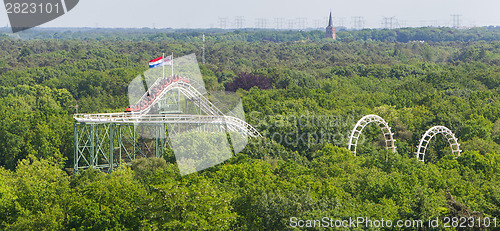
(330, 30)
(330, 22)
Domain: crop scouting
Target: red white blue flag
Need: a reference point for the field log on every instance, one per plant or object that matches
(158, 62)
(155, 62)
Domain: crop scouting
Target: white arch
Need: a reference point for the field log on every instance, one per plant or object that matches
(426, 138)
(362, 123)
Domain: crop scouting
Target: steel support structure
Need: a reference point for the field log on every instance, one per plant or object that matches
(105, 146)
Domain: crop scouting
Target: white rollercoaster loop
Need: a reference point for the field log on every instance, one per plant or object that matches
(424, 142)
(389, 139)
(362, 123)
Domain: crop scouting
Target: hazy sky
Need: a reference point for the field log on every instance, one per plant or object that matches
(207, 13)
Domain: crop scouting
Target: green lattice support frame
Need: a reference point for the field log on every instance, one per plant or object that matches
(105, 146)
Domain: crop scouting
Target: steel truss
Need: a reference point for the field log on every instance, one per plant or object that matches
(107, 145)
(426, 138)
(362, 123)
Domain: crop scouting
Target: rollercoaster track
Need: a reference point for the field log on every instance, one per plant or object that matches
(213, 114)
(239, 124)
(389, 136)
(188, 90)
(362, 123)
(233, 123)
(426, 138)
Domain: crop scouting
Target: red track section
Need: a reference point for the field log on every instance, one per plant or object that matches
(150, 96)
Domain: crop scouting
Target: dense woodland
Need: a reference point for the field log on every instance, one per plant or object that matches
(289, 81)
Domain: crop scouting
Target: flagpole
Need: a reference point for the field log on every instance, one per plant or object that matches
(178, 92)
(163, 65)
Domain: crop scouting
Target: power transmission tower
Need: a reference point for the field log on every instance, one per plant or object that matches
(261, 23)
(290, 23)
(223, 23)
(456, 20)
(358, 22)
(385, 23)
(317, 23)
(279, 23)
(390, 23)
(240, 20)
(339, 21)
(301, 23)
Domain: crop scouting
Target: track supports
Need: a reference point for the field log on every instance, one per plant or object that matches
(106, 145)
(362, 123)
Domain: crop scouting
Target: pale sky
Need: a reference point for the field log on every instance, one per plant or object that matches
(264, 13)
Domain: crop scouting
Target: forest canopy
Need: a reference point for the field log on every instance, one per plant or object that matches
(290, 82)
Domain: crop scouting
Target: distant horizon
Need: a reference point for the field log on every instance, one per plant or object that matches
(279, 14)
(253, 28)
(240, 29)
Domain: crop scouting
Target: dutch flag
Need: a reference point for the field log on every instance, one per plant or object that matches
(158, 62)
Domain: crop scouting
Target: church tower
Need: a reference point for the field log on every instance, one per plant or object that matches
(330, 30)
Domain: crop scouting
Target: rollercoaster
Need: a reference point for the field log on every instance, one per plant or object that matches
(176, 112)
(171, 105)
(139, 112)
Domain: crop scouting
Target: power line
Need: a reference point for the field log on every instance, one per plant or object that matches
(317, 23)
(261, 23)
(456, 20)
(339, 21)
(390, 22)
(290, 23)
(301, 23)
(240, 20)
(279, 23)
(223, 23)
(358, 22)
